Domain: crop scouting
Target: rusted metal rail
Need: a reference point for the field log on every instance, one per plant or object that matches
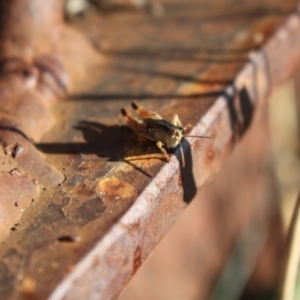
(213, 64)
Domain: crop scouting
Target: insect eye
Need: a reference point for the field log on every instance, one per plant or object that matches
(173, 131)
(149, 128)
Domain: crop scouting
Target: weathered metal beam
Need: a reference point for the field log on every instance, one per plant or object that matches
(86, 238)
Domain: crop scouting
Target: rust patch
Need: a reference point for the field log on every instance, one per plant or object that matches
(16, 194)
(87, 212)
(210, 154)
(12, 260)
(137, 259)
(180, 180)
(114, 189)
(83, 189)
(28, 286)
(132, 227)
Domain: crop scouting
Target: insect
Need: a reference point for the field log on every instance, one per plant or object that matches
(151, 126)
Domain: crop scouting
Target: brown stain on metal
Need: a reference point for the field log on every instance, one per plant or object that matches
(137, 259)
(114, 189)
(132, 226)
(180, 180)
(83, 189)
(28, 286)
(88, 211)
(14, 187)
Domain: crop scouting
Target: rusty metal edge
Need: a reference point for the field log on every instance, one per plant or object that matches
(116, 254)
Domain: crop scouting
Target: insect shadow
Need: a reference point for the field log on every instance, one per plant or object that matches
(240, 110)
(186, 172)
(110, 143)
(105, 141)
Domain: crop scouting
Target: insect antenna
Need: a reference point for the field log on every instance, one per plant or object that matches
(199, 136)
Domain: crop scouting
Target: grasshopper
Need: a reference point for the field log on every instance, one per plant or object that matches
(151, 126)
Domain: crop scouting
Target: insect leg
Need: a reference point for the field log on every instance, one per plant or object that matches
(132, 122)
(176, 121)
(145, 113)
(162, 149)
(137, 126)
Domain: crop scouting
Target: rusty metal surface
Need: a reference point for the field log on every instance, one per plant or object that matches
(85, 238)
